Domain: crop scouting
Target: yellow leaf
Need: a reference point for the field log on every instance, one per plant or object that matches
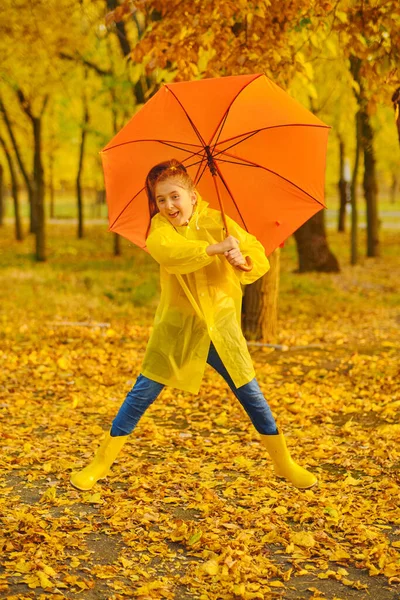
(95, 498)
(44, 580)
(96, 430)
(239, 589)
(211, 567)
(276, 583)
(222, 420)
(195, 538)
(351, 481)
(49, 495)
(281, 510)
(392, 570)
(22, 566)
(338, 554)
(63, 363)
(302, 538)
(342, 16)
(32, 581)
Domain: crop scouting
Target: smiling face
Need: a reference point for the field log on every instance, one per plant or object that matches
(175, 203)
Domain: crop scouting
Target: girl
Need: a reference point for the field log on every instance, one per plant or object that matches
(197, 320)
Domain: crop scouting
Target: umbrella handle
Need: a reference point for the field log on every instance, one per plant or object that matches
(247, 267)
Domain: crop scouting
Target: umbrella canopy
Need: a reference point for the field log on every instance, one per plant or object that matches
(266, 150)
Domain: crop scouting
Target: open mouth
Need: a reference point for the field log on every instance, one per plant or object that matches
(174, 215)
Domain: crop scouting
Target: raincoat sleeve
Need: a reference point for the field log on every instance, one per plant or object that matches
(249, 246)
(177, 254)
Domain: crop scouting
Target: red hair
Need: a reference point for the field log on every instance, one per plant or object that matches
(161, 172)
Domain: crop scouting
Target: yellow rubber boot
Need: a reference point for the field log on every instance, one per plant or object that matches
(100, 465)
(284, 465)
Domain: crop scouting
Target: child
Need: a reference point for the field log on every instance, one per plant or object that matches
(197, 320)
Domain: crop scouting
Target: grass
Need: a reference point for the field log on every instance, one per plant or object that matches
(83, 280)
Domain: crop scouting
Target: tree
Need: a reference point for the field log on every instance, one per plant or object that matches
(396, 106)
(21, 162)
(1, 195)
(38, 174)
(370, 39)
(84, 128)
(263, 301)
(14, 190)
(45, 27)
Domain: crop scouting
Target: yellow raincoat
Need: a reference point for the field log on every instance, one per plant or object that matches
(201, 299)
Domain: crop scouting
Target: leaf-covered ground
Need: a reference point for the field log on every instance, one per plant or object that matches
(192, 509)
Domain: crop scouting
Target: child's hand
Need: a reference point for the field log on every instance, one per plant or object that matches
(228, 243)
(235, 257)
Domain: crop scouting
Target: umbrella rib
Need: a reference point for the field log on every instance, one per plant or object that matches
(197, 181)
(251, 133)
(225, 115)
(220, 131)
(166, 142)
(231, 195)
(188, 117)
(235, 162)
(125, 207)
(179, 148)
(249, 163)
(236, 143)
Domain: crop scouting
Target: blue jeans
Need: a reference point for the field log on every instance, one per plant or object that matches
(145, 391)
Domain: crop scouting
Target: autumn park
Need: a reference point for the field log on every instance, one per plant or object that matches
(200, 258)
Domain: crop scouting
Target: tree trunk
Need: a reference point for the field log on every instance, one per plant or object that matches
(38, 177)
(396, 106)
(393, 189)
(260, 304)
(353, 192)
(370, 183)
(312, 247)
(14, 191)
(117, 244)
(80, 165)
(21, 165)
(1, 196)
(342, 185)
(51, 184)
(117, 241)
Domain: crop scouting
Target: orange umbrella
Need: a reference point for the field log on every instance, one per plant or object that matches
(250, 148)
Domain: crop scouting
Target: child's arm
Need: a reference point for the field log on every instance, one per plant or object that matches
(179, 255)
(249, 246)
